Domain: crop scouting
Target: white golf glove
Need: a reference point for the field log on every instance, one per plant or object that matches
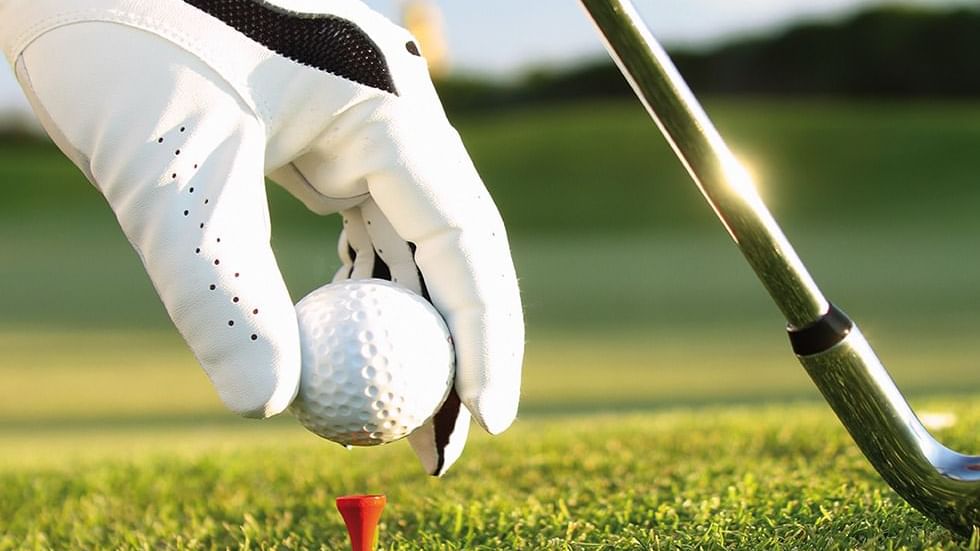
(176, 110)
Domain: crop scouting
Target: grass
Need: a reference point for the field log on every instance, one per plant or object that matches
(104, 378)
(661, 406)
(782, 477)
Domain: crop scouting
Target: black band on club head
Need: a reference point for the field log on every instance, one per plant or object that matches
(822, 335)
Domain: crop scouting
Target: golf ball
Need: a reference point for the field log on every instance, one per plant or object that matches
(377, 362)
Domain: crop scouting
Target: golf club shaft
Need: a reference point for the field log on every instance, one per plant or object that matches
(941, 483)
(723, 181)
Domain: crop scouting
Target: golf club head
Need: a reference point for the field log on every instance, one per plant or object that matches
(941, 483)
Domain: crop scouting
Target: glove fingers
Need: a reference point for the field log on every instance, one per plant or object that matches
(181, 164)
(363, 262)
(346, 259)
(440, 441)
(394, 259)
(370, 248)
(435, 199)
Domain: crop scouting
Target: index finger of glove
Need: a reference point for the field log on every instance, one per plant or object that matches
(184, 178)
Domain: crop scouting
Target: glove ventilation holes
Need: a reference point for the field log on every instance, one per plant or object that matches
(203, 250)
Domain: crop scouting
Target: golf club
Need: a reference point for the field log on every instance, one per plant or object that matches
(942, 484)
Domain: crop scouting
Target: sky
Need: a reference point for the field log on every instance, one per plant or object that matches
(503, 37)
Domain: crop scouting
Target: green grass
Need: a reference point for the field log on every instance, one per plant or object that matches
(106, 378)
(661, 406)
(740, 478)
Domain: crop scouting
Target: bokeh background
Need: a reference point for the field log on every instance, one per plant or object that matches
(860, 120)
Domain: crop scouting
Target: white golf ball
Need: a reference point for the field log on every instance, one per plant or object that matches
(378, 362)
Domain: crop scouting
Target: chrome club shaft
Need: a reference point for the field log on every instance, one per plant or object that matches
(942, 484)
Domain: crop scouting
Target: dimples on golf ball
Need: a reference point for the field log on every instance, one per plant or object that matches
(377, 362)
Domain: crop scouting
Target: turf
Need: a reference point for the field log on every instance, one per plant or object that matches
(661, 406)
(746, 478)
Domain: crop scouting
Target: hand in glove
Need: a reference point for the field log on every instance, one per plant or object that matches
(176, 110)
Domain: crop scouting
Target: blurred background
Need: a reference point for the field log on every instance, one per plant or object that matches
(860, 120)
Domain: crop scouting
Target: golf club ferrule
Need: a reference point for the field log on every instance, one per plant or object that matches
(821, 335)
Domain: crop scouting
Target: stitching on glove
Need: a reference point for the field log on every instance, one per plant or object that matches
(322, 41)
(309, 185)
(81, 160)
(189, 43)
(46, 24)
